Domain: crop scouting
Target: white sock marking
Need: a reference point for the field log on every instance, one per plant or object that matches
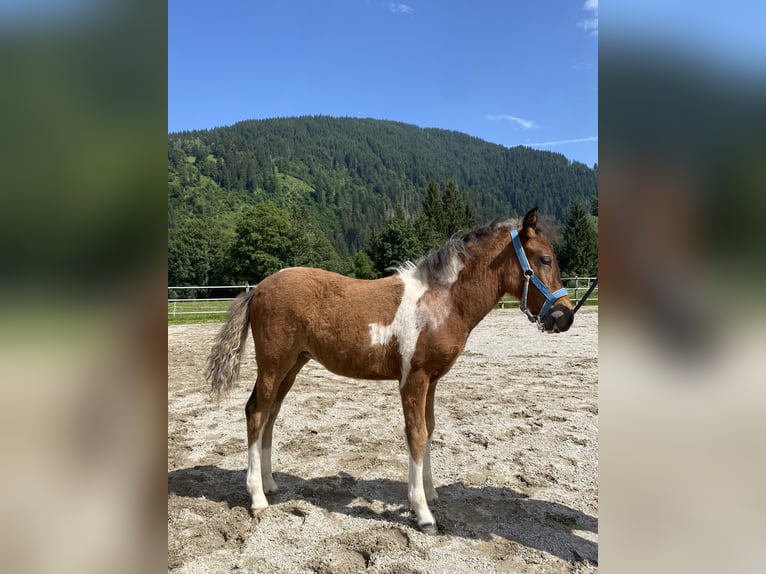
(254, 479)
(417, 495)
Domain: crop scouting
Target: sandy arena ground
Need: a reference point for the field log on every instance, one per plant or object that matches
(514, 455)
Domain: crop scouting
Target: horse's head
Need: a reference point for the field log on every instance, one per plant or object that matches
(543, 297)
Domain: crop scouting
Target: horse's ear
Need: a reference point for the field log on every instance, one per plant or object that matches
(530, 220)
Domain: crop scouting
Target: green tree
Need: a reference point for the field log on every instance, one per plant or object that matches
(396, 243)
(458, 215)
(469, 217)
(442, 217)
(361, 266)
(195, 253)
(262, 244)
(578, 254)
(430, 222)
(270, 183)
(309, 246)
(433, 208)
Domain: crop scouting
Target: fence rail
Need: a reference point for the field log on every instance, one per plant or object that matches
(577, 287)
(201, 305)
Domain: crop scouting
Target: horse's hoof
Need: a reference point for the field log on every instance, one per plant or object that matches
(256, 512)
(269, 485)
(429, 528)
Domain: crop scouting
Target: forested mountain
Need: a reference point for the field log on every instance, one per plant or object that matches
(348, 176)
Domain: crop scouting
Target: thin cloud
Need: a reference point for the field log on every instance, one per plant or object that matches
(526, 124)
(590, 23)
(562, 142)
(397, 8)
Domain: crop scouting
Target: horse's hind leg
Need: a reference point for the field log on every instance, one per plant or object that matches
(257, 412)
(284, 387)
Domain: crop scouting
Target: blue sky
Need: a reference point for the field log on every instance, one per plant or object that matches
(507, 71)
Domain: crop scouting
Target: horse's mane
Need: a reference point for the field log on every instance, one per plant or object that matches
(439, 264)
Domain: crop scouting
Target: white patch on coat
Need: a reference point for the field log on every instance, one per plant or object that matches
(436, 311)
(380, 334)
(412, 314)
(405, 326)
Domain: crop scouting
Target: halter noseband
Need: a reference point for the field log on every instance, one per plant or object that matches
(529, 275)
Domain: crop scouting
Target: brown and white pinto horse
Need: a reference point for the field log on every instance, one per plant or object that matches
(409, 327)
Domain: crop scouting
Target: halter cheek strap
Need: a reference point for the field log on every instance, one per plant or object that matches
(529, 275)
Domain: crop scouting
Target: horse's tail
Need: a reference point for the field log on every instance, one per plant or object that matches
(225, 357)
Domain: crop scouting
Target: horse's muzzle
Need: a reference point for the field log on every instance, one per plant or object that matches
(559, 319)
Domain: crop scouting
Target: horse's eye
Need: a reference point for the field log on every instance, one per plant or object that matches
(546, 260)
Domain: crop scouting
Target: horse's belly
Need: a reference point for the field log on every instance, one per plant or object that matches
(372, 363)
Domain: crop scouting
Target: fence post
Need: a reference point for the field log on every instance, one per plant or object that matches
(174, 308)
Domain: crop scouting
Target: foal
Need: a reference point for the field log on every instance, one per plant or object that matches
(409, 327)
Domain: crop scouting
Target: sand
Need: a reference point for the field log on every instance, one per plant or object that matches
(514, 456)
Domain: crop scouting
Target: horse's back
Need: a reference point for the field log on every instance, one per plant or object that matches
(306, 291)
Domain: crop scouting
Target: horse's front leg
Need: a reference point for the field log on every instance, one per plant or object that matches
(414, 395)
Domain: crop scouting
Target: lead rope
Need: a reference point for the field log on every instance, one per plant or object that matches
(585, 297)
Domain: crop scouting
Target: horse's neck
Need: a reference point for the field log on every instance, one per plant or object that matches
(481, 283)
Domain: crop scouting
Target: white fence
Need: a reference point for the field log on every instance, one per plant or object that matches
(194, 305)
(175, 309)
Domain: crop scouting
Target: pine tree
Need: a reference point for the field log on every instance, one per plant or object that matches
(458, 215)
(453, 210)
(430, 222)
(433, 208)
(579, 249)
(469, 218)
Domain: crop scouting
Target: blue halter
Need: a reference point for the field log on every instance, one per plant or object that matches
(529, 275)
